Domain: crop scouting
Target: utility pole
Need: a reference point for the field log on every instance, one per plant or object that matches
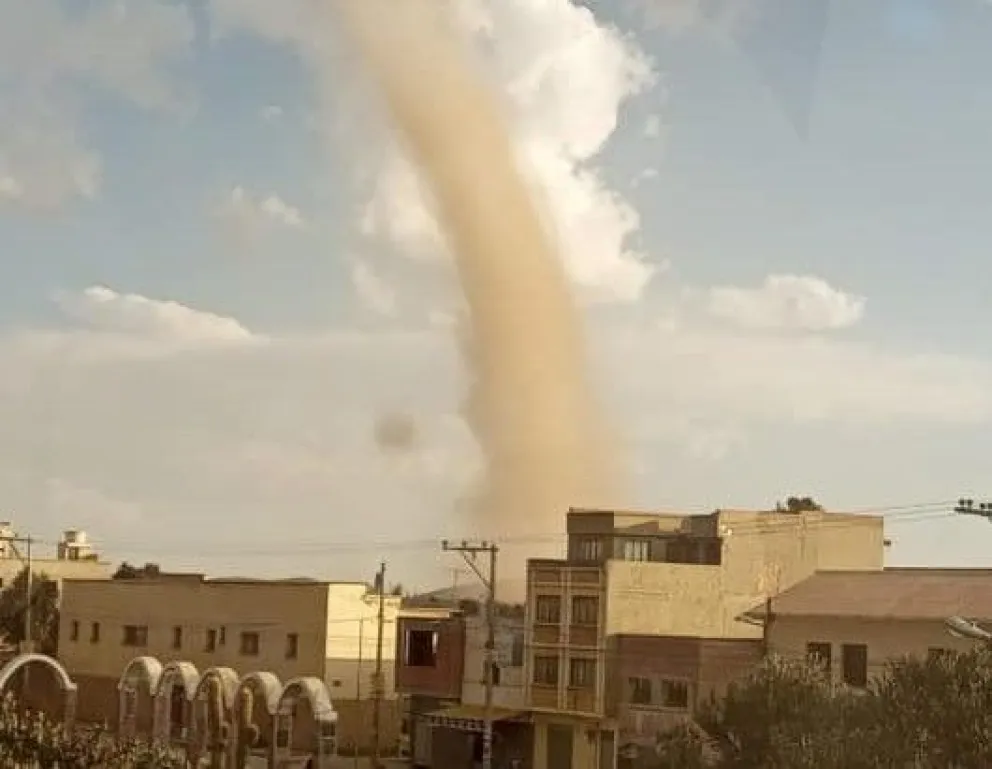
(970, 507)
(470, 553)
(377, 687)
(28, 644)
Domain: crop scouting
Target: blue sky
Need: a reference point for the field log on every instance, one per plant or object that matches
(246, 409)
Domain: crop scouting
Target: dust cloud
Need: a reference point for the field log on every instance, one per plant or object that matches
(531, 407)
(396, 432)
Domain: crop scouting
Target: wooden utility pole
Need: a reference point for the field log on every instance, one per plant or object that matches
(377, 686)
(470, 553)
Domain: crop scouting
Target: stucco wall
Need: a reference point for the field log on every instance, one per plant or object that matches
(56, 570)
(510, 691)
(352, 628)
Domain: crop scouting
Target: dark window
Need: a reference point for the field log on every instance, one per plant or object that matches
(585, 610)
(582, 673)
(292, 646)
(177, 637)
(854, 660)
(546, 671)
(495, 669)
(517, 651)
(637, 550)
(421, 648)
(74, 630)
(249, 644)
(223, 635)
(548, 609)
(639, 691)
(712, 553)
(95, 633)
(589, 549)
(675, 694)
(819, 653)
(211, 643)
(135, 635)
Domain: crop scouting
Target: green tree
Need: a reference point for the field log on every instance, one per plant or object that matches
(127, 571)
(798, 505)
(44, 611)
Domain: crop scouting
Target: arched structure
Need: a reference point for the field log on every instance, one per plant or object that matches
(68, 686)
(173, 698)
(254, 715)
(320, 734)
(228, 680)
(141, 673)
(210, 720)
(265, 683)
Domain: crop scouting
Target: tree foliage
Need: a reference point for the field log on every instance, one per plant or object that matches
(127, 571)
(44, 611)
(933, 713)
(798, 505)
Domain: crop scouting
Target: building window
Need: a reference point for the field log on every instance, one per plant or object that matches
(546, 671)
(495, 669)
(589, 549)
(292, 646)
(585, 610)
(135, 635)
(95, 633)
(211, 643)
(249, 644)
(548, 609)
(421, 648)
(223, 635)
(582, 674)
(639, 691)
(675, 695)
(517, 651)
(74, 630)
(177, 637)
(854, 659)
(819, 653)
(637, 550)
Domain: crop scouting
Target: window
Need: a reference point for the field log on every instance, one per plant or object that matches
(177, 637)
(582, 674)
(421, 648)
(95, 633)
(548, 609)
(589, 548)
(637, 550)
(292, 646)
(223, 635)
(135, 635)
(819, 654)
(639, 691)
(546, 671)
(495, 669)
(211, 643)
(854, 659)
(585, 610)
(517, 651)
(249, 644)
(675, 694)
(74, 630)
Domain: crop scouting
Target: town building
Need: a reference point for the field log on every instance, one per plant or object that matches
(74, 557)
(286, 628)
(670, 585)
(853, 623)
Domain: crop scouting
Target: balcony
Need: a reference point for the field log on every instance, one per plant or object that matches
(542, 696)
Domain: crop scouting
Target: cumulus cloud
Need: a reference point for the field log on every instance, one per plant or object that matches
(122, 49)
(787, 302)
(253, 211)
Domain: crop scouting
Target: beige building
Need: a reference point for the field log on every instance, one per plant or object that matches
(636, 574)
(290, 628)
(855, 623)
(73, 558)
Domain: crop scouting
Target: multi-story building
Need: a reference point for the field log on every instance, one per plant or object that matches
(856, 622)
(630, 576)
(74, 557)
(289, 628)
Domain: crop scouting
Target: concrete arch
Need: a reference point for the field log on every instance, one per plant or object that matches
(146, 670)
(315, 691)
(268, 683)
(229, 684)
(21, 660)
(186, 672)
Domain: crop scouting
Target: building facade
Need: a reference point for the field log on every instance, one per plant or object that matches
(641, 575)
(855, 623)
(74, 557)
(288, 628)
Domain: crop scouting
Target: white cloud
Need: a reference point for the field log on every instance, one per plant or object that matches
(652, 127)
(373, 292)
(269, 209)
(566, 78)
(117, 47)
(787, 302)
(272, 112)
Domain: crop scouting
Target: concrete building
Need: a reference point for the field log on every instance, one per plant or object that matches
(289, 628)
(646, 575)
(74, 557)
(855, 623)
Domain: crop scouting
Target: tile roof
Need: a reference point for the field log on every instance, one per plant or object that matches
(898, 593)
